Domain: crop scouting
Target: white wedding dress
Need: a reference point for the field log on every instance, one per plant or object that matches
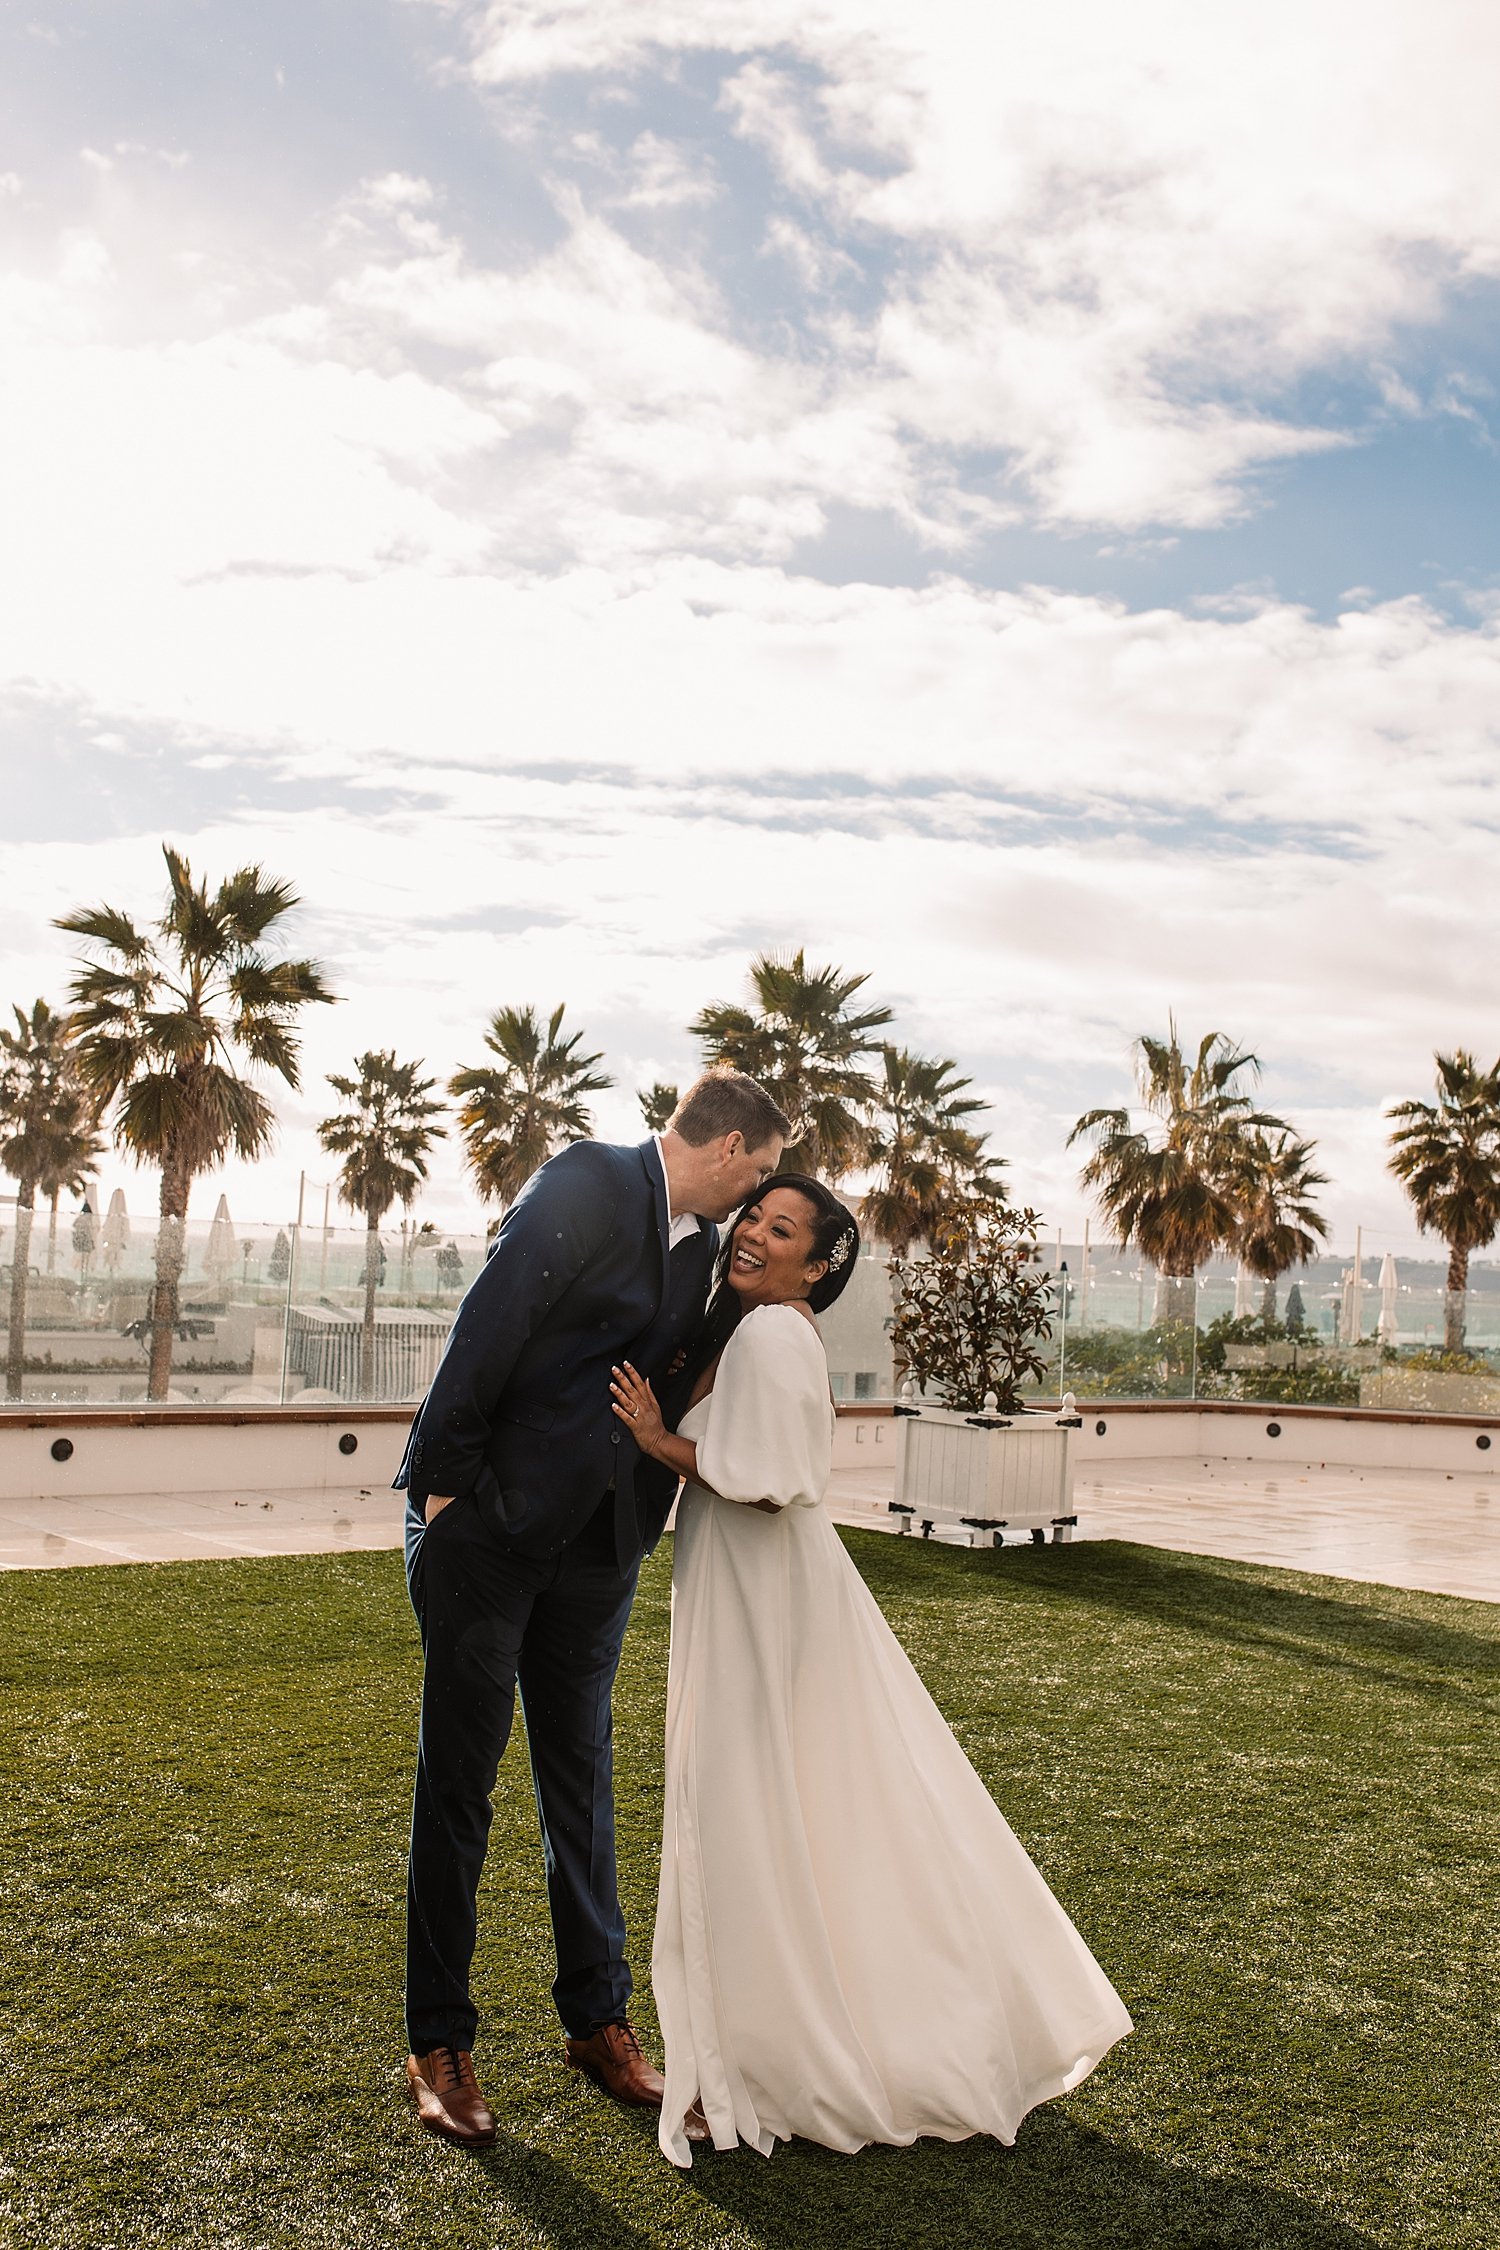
(851, 1944)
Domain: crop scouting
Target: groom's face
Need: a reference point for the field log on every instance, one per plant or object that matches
(740, 1172)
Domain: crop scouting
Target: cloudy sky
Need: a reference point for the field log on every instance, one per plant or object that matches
(588, 489)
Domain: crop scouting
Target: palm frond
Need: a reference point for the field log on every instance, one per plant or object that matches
(270, 1044)
(247, 903)
(107, 926)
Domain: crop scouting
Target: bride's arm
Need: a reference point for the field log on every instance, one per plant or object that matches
(635, 1403)
(768, 1439)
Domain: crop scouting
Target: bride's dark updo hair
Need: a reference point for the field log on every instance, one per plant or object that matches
(835, 1243)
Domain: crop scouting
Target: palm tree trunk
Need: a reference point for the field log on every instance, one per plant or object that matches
(367, 1332)
(20, 1255)
(1179, 1298)
(176, 1181)
(52, 1233)
(1455, 1304)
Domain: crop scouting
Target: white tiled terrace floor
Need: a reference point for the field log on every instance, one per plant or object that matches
(1419, 1528)
(1393, 1527)
(182, 1527)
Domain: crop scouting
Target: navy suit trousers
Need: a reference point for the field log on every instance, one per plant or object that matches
(492, 1619)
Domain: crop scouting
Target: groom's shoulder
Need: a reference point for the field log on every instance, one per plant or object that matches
(594, 1165)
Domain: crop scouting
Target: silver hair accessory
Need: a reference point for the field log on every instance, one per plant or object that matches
(839, 1254)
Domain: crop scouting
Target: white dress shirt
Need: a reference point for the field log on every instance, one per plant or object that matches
(686, 1222)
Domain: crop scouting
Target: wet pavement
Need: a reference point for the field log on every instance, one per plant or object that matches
(1419, 1528)
(1392, 1527)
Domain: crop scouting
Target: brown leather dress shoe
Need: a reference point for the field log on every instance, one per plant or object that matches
(611, 2056)
(446, 2092)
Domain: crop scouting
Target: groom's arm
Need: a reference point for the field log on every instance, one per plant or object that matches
(556, 1225)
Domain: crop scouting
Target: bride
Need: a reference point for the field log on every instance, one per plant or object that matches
(851, 1945)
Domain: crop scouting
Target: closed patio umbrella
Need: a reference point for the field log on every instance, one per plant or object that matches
(1349, 1308)
(222, 1250)
(115, 1239)
(1385, 1327)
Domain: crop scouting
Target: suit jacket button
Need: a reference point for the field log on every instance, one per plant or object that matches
(614, 1437)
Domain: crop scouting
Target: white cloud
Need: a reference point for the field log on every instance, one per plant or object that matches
(663, 178)
(173, 158)
(1120, 236)
(143, 466)
(650, 427)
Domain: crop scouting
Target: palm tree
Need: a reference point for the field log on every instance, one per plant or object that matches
(44, 1113)
(927, 1156)
(657, 1104)
(1171, 1185)
(1280, 1226)
(809, 1050)
(73, 1160)
(514, 1117)
(1446, 1154)
(383, 1138)
(164, 1021)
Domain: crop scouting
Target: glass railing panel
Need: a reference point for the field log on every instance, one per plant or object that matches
(1157, 1361)
(264, 1313)
(270, 1313)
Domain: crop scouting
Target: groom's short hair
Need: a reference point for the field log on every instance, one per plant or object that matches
(727, 1101)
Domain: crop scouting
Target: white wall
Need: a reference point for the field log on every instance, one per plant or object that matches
(203, 1453)
(865, 1441)
(1307, 1437)
(212, 1451)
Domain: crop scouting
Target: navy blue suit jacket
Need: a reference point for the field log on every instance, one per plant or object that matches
(519, 1413)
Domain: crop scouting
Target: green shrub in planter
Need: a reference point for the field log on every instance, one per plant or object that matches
(970, 1318)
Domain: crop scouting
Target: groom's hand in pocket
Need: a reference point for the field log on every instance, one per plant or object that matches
(433, 1506)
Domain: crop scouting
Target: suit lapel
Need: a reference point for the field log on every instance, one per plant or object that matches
(650, 1156)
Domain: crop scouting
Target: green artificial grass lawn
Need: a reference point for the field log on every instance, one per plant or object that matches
(1269, 1801)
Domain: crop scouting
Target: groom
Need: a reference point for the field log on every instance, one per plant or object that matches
(528, 1511)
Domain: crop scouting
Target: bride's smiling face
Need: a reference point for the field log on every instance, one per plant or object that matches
(772, 1258)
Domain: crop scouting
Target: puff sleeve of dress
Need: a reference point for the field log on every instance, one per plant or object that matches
(769, 1434)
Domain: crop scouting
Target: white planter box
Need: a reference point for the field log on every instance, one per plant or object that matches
(993, 1481)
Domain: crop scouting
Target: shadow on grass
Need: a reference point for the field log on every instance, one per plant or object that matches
(1062, 2187)
(1375, 1636)
(546, 2192)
